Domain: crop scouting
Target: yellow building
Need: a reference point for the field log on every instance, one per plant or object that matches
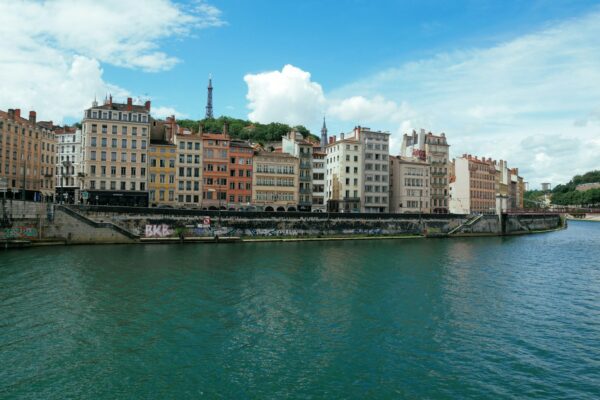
(162, 171)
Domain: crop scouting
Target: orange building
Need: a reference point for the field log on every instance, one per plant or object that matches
(239, 194)
(215, 165)
(27, 155)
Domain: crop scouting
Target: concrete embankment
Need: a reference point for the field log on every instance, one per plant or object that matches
(36, 223)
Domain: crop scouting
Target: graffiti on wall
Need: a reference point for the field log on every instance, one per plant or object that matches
(160, 231)
(19, 232)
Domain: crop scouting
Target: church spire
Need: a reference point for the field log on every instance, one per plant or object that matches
(209, 106)
(323, 135)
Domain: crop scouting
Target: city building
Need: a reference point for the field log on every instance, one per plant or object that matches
(409, 185)
(473, 186)
(582, 187)
(190, 168)
(318, 179)
(344, 174)
(295, 144)
(27, 156)
(435, 150)
(275, 181)
(162, 163)
(375, 147)
(115, 139)
(239, 195)
(215, 163)
(69, 166)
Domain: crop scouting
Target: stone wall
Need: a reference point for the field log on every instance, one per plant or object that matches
(118, 225)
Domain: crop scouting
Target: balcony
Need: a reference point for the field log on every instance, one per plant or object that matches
(305, 178)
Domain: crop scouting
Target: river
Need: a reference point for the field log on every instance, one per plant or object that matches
(498, 317)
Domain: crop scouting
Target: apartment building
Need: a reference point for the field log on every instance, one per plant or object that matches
(437, 152)
(318, 179)
(215, 169)
(239, 194)
(409, 185)
(473, 185)
(295, 144)
(115, 139)
(275, 181)
(69, 166)
(344, 174)
(27, 156)
(375, 146)
(190, 169)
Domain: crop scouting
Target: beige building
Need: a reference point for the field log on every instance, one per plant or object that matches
(344, 174)
(295, 144)
(275, 181)
(115, 149)
(189, 169)
(27, 156)
(409, 185)
(318, 179)
(434, 149)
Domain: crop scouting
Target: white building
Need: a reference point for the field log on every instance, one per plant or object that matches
(375, 147)
(344, 174)
(69, 166)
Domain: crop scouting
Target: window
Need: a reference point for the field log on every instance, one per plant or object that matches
(134, 144)
(123, 143)
(92, 155)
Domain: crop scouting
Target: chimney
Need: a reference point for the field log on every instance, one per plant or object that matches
(334, 138)
(11, 113)
(129, 104)
(342, 136)
(330, 139)
(32, 116)
(147, 105)
(225, 128)
(17, 113)
(110, 100)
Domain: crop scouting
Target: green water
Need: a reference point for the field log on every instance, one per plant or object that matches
(456, 318)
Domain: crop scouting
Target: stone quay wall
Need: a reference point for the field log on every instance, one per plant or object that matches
(105, 224)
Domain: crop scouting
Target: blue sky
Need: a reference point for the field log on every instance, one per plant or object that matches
(515, 80)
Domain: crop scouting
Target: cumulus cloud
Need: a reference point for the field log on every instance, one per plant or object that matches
(287, 96)
(52, 52)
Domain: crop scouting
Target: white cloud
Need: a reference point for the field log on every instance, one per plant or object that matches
(164, 112)
(287, 96)
(51, 52)
(542, 88)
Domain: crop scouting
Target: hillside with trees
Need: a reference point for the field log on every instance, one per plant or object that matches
(567, 195)
(246, 130)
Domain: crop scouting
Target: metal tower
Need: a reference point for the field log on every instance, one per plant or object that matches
(209, 108)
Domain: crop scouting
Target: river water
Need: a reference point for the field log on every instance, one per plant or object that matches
(515, 317)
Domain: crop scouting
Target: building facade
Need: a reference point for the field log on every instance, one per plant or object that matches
(162, 171)
(375, 146)
(69, 166)
(409, 185)
(189, 167)
(239, 194)
(473, 186)
(295, 144)
(275, 181)
(344, 174)
(27, 156)
(318, 180)
(215, 163)
(115, 139)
